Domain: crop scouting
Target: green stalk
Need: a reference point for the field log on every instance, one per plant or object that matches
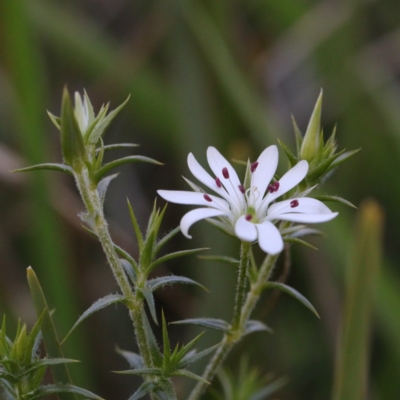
(243, 307)
(133, 300)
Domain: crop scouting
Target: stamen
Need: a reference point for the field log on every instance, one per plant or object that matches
(242, 189)
(225, 173)
(273, 187)
(294, 203)
(218, 182)
(254, 166)
(207, 197)
(249, 217)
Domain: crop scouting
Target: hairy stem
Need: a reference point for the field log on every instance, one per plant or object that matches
(98, 223)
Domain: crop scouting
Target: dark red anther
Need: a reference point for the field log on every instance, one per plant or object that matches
(276, 186)
(207, 197)
(242, 189)
(294, 203)
(253, 166)
(273, 187)
(249, 217)
(225, 173)
(218, 182)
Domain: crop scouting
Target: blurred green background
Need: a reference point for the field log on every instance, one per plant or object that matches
(200, 72)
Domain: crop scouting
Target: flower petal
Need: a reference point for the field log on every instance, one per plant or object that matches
(308, 218)
(245, 230)
(306, 205)
(194, 198)
(269, 238)
(288, 181)
(196, 215)
(267, 164)
(217, 163)
(204, 177)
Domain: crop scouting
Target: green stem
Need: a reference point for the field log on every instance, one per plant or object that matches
(247, 304)
(133, 300)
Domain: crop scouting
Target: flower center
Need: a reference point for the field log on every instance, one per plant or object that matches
(294, 203)
(251, 215)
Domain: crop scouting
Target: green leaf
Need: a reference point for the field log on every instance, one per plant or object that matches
(292, 292)
(72, 145)
(129, 270)
(117, 146)
(136, 228)
(192, 358)
(342, 158)
(30, 350)
(55, 120)
(96, 306)
(166, 346)
(121, 161)
(271, 388)
(256, 326)
(222, 259)
(145, 388)
(291, 157)
(100, 127)
(298, 135)
(191, 375)
(141, 371)
(335, 199)
(103, 186)
(212, 323)
(59, 388)
(176, 254)
(53, 349)
(154, 349)
(148, 294)
(134, 360)
(157, 283)
(166, 239)
(300, 241)
(45, 362)
(49, 166)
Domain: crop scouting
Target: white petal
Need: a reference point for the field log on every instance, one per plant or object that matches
(269, 238)
(204, 177)
(267, 164)
(288, 181)
(245, 230)
(196, 215)
(217, 163)
(193, 198)
(308, 218)
(307, 205)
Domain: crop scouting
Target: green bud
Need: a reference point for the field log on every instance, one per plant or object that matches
(311, 144)
(72, 145)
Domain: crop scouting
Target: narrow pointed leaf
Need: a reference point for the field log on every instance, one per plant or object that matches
(298, 135)
(121, 161)
(55, 120)
(212, 323)
(154, 349)
(176, 254)
(191, 375)
(165, 239)
(141, 371)
(343, 157)
(100, 128)
(300, 241)
(291, 157)
(221, 259)
(134, 360)
(192, 358)
(31, 340)
(271, 388)
(256, 326)
(157, 283)
(96, 306)
(60, 389)
(136, 228)
(166, 345)
(47, 166)
(118, 146)
(292, 292)
(148, 294)
(129, 270)
(335, 199)
(103, 186)
(72, 145)
(145, 388)
(53, 349)
(45, 362)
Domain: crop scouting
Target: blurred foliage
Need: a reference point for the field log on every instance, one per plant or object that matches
(200, 73)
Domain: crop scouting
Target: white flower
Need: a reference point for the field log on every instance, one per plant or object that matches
(248, 213)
